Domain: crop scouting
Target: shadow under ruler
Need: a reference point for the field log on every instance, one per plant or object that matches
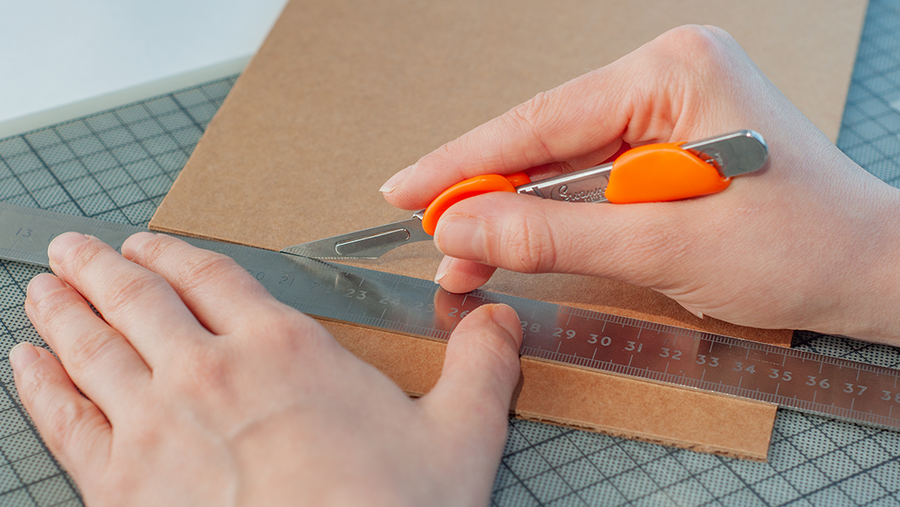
(118, 165)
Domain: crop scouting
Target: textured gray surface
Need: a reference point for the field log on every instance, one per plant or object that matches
(115, 166)
(118, 165)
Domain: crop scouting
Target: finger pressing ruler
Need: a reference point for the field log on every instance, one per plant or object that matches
(799, 380)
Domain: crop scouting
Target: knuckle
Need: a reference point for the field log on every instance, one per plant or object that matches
(691, 40)
(535, 116)
(126, 288)
(195, 270)
(695, 49)
(89, 348)
(35, 381)
(62, 420)
(66, 423)
(78, 262)
(531, 111)
(52, 309)
(524, 244)
(152, 251)
(206, 371)
(193, 266)
(288, 330)
(218, 371)
(446, 152)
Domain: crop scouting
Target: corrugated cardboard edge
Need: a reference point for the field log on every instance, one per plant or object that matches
(582, 291)
(590, 400)
(283, 71)
(585, 399)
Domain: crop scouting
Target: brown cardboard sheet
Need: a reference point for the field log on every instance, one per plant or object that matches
(582, 399)
(345, 93)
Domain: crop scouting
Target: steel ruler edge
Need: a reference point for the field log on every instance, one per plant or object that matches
(799, 380)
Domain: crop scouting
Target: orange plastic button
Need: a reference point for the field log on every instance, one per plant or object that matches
(469, 188)
(661, 172)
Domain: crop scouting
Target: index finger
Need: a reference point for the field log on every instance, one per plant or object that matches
(556, 125)
(665, 91)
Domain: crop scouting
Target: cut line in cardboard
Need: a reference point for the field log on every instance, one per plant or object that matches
(343, 94)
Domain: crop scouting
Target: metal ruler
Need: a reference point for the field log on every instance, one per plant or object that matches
(800, 380)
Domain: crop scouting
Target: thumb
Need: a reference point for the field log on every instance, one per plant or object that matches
(470, 402)
(625, 243)
(481, 370)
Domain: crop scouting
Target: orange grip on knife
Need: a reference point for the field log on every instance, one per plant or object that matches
(651, 173)
(469, 188)
(661, 172)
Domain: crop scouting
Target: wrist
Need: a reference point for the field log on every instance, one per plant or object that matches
(868, 285)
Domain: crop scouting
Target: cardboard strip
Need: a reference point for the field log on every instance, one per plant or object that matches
(343, 94)
(584, 399)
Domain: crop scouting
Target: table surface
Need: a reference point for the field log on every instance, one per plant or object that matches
(63, 58)
(119, 164)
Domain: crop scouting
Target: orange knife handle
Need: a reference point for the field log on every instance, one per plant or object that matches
(661, 172)
(469, 188)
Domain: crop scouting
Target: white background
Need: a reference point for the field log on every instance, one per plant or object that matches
(60, 59)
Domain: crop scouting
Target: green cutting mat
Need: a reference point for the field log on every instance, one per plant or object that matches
(118, 165)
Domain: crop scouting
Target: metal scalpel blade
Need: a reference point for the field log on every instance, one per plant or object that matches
(671, 178)
(365, 244)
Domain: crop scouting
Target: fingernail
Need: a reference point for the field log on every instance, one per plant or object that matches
(688, 308)
(22, 355)
(41, 285)
(61, 245)
(443, 268)
(396, 180)
(507, 318)
(461, 237)
(133, 244)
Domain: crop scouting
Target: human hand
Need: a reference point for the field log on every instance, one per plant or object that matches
(807, 243)
(201, 389)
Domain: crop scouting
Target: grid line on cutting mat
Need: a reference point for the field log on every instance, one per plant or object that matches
(115, 166)
(119, 164)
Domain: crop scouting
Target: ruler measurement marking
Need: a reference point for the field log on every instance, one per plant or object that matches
(410, 316)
